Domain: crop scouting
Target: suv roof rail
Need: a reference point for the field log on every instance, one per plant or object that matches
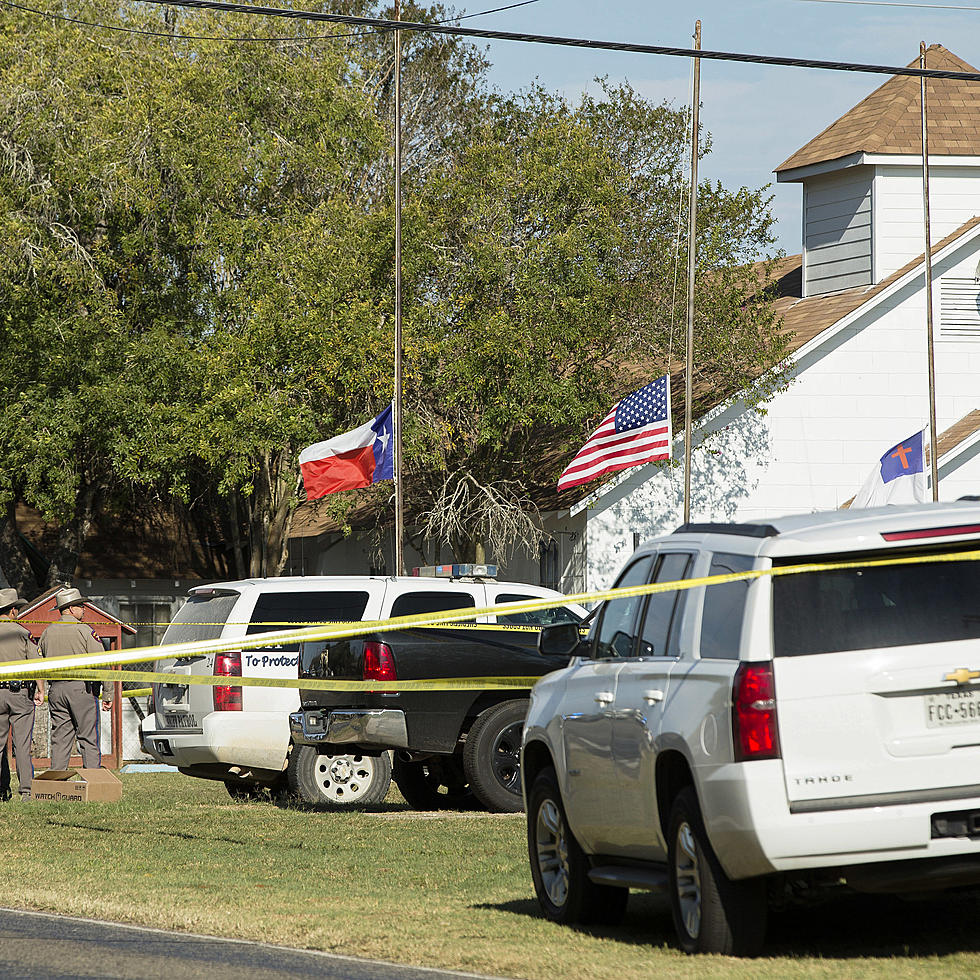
(745, 530)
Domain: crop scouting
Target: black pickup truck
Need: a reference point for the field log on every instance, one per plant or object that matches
(451, 747)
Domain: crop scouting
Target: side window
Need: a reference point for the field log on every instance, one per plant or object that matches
(723, 608)
(539, 617)
(616, 631)
(280, 610)
(664, 609)
(415, 603)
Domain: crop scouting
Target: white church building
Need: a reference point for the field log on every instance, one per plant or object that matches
(855, 312)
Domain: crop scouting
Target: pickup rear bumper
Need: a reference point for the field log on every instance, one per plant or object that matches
(383, 727)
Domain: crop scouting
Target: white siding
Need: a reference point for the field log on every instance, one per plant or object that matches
(954, 197)
(837, 231)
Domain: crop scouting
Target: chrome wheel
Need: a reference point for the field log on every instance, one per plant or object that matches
(344, 778)
(337, 780)
(687, 876)
(552, 852)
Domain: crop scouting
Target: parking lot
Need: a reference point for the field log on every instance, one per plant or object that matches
(447, 890)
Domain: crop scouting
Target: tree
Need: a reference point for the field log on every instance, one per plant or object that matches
(197, 263)
(181, 221)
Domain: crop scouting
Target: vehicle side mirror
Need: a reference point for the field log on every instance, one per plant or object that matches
(559, 640)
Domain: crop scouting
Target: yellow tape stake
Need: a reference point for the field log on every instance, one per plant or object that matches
(200, 648)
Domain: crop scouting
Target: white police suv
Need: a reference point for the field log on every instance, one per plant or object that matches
(797, 734)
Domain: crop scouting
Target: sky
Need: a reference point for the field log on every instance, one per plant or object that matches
(757, 115)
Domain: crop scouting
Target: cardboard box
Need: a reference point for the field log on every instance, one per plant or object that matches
(76, 786)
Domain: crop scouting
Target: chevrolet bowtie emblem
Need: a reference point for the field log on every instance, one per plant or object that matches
(962, 675)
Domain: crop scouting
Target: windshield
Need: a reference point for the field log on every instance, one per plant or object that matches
(536, 617)
(866, 608)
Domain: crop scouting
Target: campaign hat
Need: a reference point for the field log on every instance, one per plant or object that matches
(9, 598)
(68, 597)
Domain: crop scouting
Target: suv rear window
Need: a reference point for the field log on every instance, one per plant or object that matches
(416, 603)
(201, 617)
(865, 608)
(280, 610)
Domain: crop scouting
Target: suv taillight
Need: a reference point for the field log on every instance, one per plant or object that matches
(227, 698)
(754, 731)
(379, 662)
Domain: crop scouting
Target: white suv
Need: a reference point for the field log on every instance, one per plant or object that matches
(240, 735)
(786, 736)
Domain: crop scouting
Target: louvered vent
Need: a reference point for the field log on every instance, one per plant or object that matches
(960, 309)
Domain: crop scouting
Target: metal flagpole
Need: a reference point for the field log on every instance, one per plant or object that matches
(397, 413)
(691, 234)
(928, 274)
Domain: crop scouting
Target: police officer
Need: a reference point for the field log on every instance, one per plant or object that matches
(72, 704)
(18, 698)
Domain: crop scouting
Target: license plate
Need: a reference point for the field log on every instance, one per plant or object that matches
(952, 708)
(174, 719)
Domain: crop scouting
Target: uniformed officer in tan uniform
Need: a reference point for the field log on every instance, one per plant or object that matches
(72, 704)
(16, 704)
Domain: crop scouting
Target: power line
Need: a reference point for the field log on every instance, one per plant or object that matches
(214, 37)
(893, 3)
(592, 44)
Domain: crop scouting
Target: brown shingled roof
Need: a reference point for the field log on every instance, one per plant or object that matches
(889, 120)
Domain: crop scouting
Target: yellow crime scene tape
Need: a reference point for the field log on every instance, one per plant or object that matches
(86, 662)
(305, 683)
(293, 624)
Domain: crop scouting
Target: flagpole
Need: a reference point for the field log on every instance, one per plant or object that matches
(691, 234)
(397, 412)
(928, 275)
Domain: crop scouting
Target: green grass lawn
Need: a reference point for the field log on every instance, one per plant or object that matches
(449, 890)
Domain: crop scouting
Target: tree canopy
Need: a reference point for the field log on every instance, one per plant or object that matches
(197, 272)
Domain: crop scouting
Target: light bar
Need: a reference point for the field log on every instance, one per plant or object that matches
(455, 571)
(931, 532)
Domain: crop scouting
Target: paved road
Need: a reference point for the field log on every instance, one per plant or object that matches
(39, 946)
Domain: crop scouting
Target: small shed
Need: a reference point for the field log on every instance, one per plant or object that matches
(39, 614)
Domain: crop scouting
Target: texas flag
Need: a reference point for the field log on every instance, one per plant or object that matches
(358, 458)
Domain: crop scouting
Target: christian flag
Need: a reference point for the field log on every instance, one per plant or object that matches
(636, 430)
(358, 458)
(899, 477)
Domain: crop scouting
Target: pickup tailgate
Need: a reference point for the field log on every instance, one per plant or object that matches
(876, 699)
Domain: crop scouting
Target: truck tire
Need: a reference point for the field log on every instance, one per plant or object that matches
(338, 781)
(436, 783)
(711, 913)
(492, 757)
(559, 867)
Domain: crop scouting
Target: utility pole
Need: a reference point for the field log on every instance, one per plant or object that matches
(931, 357)
(692, 227)
(397, 413)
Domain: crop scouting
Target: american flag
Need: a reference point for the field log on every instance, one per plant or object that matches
(636, 430)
